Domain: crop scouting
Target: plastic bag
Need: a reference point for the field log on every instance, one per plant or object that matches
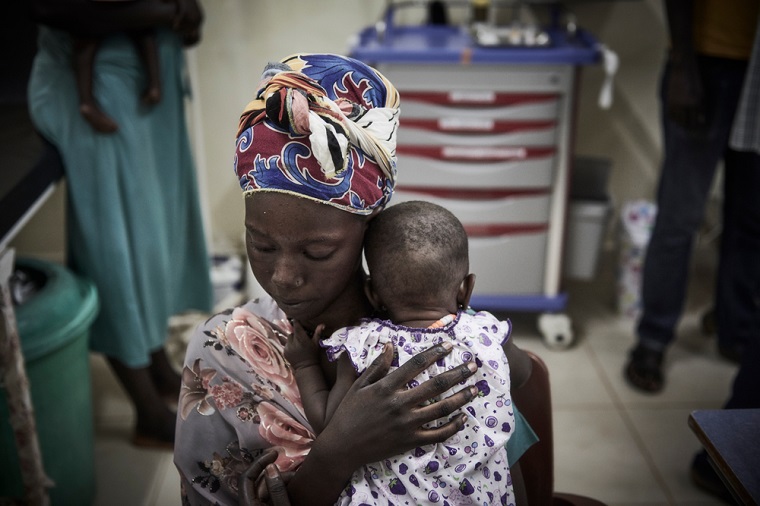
(637, 219)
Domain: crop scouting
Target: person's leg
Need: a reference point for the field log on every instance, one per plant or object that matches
(165, 378)
(84, 63)
(145, 41)
(155, 421)
(737, 310)
(745, 394)
(687, 173)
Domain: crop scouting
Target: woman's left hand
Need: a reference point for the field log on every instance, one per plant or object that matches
(262, 484)
(188, 21)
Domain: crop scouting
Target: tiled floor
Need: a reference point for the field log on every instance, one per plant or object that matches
(611, 443)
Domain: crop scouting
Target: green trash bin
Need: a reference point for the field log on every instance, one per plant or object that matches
(53, 326)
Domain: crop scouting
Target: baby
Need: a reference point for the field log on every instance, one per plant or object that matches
(417, 254)
(85, 48)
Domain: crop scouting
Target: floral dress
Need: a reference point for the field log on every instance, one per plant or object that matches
(239, 397)
(468, 468)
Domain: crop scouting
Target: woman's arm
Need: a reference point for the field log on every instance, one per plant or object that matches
(684, 94)
(97, 19)
(379, 417)
(85, 17)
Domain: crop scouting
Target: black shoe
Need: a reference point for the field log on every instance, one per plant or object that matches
(708, 323)
(731, 352)
(704, 477)
(644, 370)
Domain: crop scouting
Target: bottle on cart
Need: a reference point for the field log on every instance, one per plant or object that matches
(480, 11)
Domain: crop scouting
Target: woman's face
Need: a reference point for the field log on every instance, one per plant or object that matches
(305, 255)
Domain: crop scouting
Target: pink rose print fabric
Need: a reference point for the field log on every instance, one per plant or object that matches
(242, 396)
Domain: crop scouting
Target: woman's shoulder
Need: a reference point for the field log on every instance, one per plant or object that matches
(213, 334)
(244, 345)
(261, 307)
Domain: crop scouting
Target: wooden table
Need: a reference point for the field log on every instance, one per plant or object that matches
(732, 440)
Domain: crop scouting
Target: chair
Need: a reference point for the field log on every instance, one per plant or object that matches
(533, 399)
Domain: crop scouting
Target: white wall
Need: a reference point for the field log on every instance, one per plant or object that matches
(240, 36)
(628, 133)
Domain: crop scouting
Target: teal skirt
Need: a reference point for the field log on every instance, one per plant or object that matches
(133, 219)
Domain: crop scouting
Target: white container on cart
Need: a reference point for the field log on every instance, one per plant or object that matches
(586, 226)
(588, 215)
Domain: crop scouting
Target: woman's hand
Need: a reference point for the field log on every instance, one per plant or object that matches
(262, 484)
(100, 19)
(380, 417)
(391, 415)
(188, 21)
(685, 97)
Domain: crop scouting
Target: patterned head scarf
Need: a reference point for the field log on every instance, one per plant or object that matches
(323, 127)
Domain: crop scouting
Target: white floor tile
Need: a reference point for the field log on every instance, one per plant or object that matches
(125, 475)
(693, 378)
(574, 378)
(595, 455)
(670, 444)
(166, 492)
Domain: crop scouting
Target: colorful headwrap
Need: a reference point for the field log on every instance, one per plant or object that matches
(323, 127)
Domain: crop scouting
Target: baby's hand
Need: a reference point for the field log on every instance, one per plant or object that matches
(301, 350)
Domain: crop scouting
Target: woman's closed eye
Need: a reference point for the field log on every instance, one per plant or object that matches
(318, 253)
(261, 247)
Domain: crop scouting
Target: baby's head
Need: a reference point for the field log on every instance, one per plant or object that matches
(417, 257)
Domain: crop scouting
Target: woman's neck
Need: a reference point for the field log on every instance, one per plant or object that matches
(420, 315)
(351, 306)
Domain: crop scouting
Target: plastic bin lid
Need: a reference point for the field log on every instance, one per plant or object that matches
(58, 313)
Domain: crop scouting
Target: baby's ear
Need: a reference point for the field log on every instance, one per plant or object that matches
(465, 291)
(372, 295)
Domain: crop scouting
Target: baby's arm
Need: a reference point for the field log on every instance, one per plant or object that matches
(303, 353)
(346, 376)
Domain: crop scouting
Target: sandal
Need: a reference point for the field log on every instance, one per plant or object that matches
(644, 370)
(731, 352)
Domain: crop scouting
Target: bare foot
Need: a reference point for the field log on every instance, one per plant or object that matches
(98, 119)
(167, 381)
